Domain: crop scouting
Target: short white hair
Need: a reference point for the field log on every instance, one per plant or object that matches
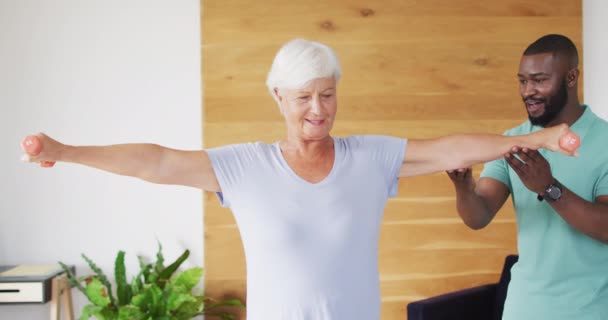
(300, 61)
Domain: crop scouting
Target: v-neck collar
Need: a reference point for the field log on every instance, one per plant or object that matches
(327, 179)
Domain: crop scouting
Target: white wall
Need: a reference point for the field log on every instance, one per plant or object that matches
(595, 44)
(96, 72)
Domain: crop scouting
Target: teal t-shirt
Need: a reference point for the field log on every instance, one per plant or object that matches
(561, 273)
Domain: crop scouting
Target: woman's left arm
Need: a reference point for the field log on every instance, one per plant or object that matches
(464, 150)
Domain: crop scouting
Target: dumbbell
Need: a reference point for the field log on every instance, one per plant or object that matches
(32, 146)
(569, 141)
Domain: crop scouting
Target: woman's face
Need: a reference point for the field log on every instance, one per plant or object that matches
(309, 111)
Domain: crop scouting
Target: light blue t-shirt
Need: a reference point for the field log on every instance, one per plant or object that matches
(311, 249)
(561, 273)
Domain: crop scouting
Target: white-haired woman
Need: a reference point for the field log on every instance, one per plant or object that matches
(308, 206)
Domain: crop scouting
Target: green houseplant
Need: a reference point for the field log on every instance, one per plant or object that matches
(157, 292)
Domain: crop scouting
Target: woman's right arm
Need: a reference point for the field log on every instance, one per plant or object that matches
(149, 162)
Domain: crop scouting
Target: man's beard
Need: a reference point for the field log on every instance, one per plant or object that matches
(557, 103)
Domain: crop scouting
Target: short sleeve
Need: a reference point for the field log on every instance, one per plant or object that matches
(498, 170)
(389, 153)
(230, 164)
(601, 187)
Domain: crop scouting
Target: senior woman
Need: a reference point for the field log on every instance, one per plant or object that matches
(309, 206)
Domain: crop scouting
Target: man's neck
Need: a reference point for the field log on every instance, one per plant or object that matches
(571, 112)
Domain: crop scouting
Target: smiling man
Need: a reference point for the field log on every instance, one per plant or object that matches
(561, 202)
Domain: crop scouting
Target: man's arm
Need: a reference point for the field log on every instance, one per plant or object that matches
(464, 150)
(586, 217)
(477, 203)
(590, 218)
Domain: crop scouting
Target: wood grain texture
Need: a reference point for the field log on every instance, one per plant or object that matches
(415, 69)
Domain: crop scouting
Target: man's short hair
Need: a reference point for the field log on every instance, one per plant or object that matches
(558, 45)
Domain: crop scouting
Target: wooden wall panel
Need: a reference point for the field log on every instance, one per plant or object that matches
(414, 69)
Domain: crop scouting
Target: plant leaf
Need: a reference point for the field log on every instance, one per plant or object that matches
(145, 269)
(175, 300)
(225, 303)
(221, 315)
(188, 309)
(102, 277)
(142, 300)
(90, 310)
(130, 312)
(136, 286)
(160, 259)
(168, 272)
(97, 293)
(72, 280)
(106, 313)
(123, 290)
(157, 307)
(188, 279)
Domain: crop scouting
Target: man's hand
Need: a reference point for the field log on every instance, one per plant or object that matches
(462, 178)
(533, 169)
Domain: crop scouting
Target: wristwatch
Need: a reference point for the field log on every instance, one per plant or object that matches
(552, 193)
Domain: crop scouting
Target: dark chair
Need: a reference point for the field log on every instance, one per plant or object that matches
(479, 303)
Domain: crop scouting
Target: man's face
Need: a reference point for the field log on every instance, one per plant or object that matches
(543, 87)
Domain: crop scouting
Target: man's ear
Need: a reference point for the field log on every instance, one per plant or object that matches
(572, 77)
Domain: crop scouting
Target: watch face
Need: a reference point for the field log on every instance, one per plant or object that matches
(554, 192)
